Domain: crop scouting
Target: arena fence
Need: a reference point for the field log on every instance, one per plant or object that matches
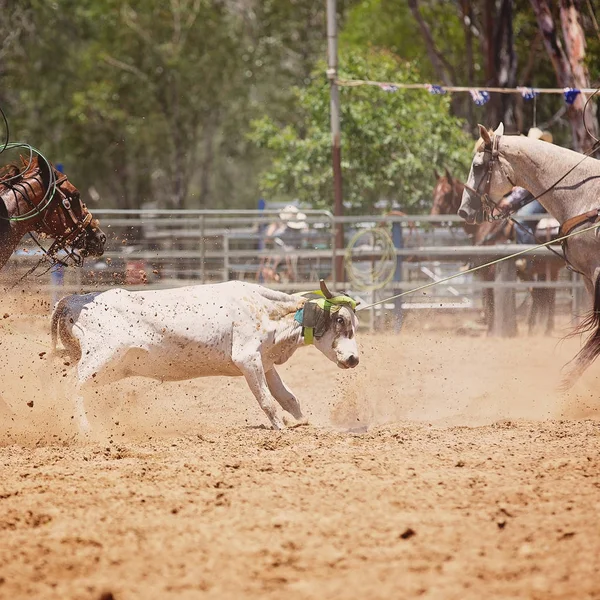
(162, 248)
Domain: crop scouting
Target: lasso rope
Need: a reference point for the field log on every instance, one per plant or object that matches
(473, 269)
(383, 273)
(48, 196)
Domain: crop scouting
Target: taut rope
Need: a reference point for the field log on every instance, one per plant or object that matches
(473, 269)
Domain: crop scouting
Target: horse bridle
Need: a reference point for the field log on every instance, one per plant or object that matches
(74, 230)
(488, 206)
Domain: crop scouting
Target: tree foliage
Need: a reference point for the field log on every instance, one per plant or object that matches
(391, 142)
(151, 102)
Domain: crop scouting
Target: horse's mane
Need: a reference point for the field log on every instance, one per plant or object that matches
(16, 173)
(10, 172)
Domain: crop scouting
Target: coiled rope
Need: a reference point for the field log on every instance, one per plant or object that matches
(378, 274)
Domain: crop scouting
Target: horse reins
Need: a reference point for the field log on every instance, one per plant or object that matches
(75, 230)
(479, 267)
(488, 205)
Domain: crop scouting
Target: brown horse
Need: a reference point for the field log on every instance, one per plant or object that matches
(447, 196)
(37, 198)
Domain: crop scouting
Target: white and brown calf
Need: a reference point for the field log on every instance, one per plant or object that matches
(231, 329)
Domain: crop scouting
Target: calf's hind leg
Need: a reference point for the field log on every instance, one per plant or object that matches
(93, 369)
(80, 413)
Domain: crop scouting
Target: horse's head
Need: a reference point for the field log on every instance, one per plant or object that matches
(447, 194)
(66, 218)
(490, 177)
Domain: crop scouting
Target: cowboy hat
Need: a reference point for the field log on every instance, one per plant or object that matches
(537, 134)
(293, 218)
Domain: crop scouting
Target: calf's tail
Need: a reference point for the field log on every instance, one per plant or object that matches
(57, 315)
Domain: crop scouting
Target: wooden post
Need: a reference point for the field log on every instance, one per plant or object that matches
(505, 302)
(336, 144)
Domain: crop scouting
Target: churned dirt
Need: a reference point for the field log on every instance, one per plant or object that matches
(444, 466)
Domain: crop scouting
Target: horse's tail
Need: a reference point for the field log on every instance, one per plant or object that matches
(591, 349)
(57, 314)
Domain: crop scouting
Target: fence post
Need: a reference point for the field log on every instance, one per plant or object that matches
(225, 257)
(398, 240)
(202, 250)
(505, 302)
(333, 252)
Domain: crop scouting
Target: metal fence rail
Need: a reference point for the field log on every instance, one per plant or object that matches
(161, 248)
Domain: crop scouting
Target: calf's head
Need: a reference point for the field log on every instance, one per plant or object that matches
(338, 343)
(330, 323)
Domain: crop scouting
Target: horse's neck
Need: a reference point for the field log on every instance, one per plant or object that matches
(457, 192)
(539, 165)
(9, 240)
(11, 232)
(15, 202)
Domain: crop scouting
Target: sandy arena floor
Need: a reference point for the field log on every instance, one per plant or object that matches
(442, 467)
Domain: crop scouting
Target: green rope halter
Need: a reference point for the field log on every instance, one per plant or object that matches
(324, 300)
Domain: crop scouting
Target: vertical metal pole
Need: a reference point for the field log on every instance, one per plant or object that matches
(338, 207)
(226, 256)
(505, 300)
(202, 251)
(398, 239)
(262, 228)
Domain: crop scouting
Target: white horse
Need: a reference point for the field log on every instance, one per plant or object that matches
(567, 185)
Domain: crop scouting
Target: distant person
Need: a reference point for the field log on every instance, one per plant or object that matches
(285, 235)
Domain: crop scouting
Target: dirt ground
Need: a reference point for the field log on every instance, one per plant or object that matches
(443, 466)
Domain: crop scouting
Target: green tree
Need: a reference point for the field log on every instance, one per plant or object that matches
(132, 97)
(391, 142)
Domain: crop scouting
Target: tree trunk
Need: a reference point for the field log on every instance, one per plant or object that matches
(467, 21)
(524, 79)
(208, 155)
(442, 68)
(562, 62)
(506, 64)
(178, 137)
(489, 47)
(574, 36)
(501, 63)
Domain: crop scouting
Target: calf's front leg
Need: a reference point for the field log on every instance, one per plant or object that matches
(284, 395)
(253, 371)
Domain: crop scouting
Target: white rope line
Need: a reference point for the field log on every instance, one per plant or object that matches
(458, 88)
(473, 269)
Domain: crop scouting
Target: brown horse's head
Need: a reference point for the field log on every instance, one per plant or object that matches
(63, 215)
(447, 194)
